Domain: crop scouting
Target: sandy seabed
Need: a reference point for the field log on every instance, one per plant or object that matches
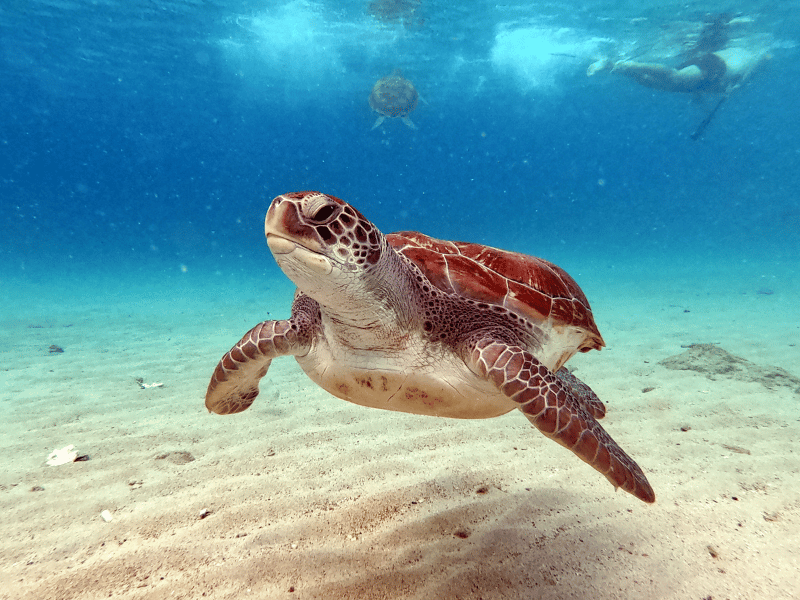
(306, 496)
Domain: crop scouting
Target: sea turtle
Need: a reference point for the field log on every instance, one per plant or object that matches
(394, 97)
(397, 11)
(410, 323)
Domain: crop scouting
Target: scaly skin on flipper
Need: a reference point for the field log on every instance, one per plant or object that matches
(234, 384)
(557, 413)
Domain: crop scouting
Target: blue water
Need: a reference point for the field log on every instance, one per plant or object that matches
(151, 135)
(141, 142)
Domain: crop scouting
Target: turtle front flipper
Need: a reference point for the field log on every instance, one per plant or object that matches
(551, 405)
(234, 384)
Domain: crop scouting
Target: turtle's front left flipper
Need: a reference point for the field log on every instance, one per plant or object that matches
(552, 407)
(234, 384)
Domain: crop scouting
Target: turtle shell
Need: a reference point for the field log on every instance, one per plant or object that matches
(531, 287)
(393, 96)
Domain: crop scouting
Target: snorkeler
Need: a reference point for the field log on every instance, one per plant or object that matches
(715, 72)
(713, 65)
(709, 67)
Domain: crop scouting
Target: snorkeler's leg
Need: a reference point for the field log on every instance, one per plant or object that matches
(661, 77)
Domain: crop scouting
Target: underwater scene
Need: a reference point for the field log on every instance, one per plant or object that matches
(299, 299)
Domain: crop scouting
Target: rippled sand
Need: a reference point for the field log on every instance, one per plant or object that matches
(307, 496)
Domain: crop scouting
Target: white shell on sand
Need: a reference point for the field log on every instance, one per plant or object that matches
(61, 456)
(106, 516)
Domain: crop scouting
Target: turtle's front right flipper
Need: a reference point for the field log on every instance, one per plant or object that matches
(234, 384)
(561, 408)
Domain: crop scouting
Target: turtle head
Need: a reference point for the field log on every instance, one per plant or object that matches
(322, 243)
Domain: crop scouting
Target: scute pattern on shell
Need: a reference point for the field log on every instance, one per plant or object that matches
(526, 285)
(393, 97)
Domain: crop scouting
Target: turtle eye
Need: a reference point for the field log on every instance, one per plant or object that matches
(324, 213)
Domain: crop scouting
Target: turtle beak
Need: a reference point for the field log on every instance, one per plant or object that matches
(294, 244)
(285, 229)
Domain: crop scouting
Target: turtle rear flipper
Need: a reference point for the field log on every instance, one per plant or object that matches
(584, 394)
